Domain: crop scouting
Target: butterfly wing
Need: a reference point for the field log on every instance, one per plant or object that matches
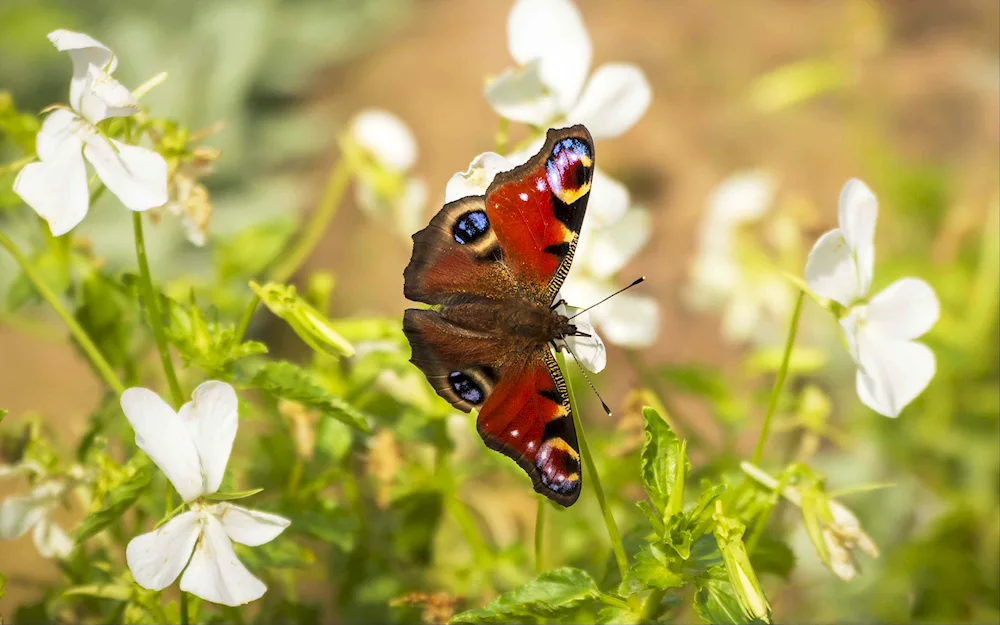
(524, 409)
(517, 239)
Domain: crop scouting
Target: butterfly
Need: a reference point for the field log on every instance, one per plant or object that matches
(493, 264)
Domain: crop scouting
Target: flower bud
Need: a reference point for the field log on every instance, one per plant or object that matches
(729, 536)
(311, 326)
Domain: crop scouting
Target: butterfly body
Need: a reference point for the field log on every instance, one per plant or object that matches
(493, 265)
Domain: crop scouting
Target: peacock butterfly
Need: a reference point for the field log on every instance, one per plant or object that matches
(494, 265)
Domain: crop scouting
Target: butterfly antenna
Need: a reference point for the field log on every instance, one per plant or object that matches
(587, 378)
(621, 290)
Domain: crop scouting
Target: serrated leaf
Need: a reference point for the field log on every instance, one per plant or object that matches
(651, 570)
(654, 517)
(231, 496)
(117, 502)
(663, 460)
(286, 380)
(548, 595)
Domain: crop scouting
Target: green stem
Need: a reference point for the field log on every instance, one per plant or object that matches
(104, 369)
(153, 308)
(609, 520)
(184, 608)
(779, 382)
(650, 606)
(311, 232)
(540, 535)
(314, 229)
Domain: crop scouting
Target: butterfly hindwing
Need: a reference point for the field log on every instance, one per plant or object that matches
(527, 417)
(524, 410)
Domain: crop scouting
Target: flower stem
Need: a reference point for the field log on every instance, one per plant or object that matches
(310, 234)
(104, 369)
(540, 535)
(779, 381)
(313, 230)
(184, 608)
(609, 520)
(153, 309)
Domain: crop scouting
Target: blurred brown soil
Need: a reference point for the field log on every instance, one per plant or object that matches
(931, 85)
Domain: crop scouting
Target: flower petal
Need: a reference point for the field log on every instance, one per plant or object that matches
(215, 573)
(50, 540)
(589, 350)
(857, 212)
(551, 31)
(611, 248)
(477, 178)
(105, 97)
(616, 97)
(386, 137)
(84, 51)
(58, 128)
(519, 95)
(743, 196)
(19, 514)
(609, 199)
(249, 527)
(891, 373)
(831, 271)
(157, 558)
(160, 433)
(137, 176)
(57, 188)
(905, 309)
(629, 320)
(211, 419)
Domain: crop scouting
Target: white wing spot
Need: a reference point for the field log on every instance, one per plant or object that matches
(524, 197)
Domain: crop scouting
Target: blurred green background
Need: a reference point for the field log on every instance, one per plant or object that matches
(904, 94)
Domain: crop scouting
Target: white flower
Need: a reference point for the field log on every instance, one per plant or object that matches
(834, 530)
(192, 448)
(56, 185)
(34, 512)
(551, 46)
(388, 150)
(892, 368)
(627, 319)
(729, 271)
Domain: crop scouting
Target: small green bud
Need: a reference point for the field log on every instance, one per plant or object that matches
(729, 536)
(311, 325)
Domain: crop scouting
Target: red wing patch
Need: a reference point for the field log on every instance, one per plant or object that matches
(536, 210)
(527, 418)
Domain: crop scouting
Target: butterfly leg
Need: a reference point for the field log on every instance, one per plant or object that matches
(557, 304)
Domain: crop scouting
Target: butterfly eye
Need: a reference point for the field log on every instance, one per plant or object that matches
(466, 388)
(470, 227)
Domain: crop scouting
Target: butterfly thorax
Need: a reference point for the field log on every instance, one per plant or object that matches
(532, 322)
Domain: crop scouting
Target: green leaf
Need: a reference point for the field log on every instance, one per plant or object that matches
(117, 502)
(678, 535)
(53, 270)
(651, 569)
(653, 516)
(286, 380)
(417, 517)
(551, 594)
(115, 591)
(663, 462)
(330, 524)
(614, 615)
(231, 496)
(715, 602)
